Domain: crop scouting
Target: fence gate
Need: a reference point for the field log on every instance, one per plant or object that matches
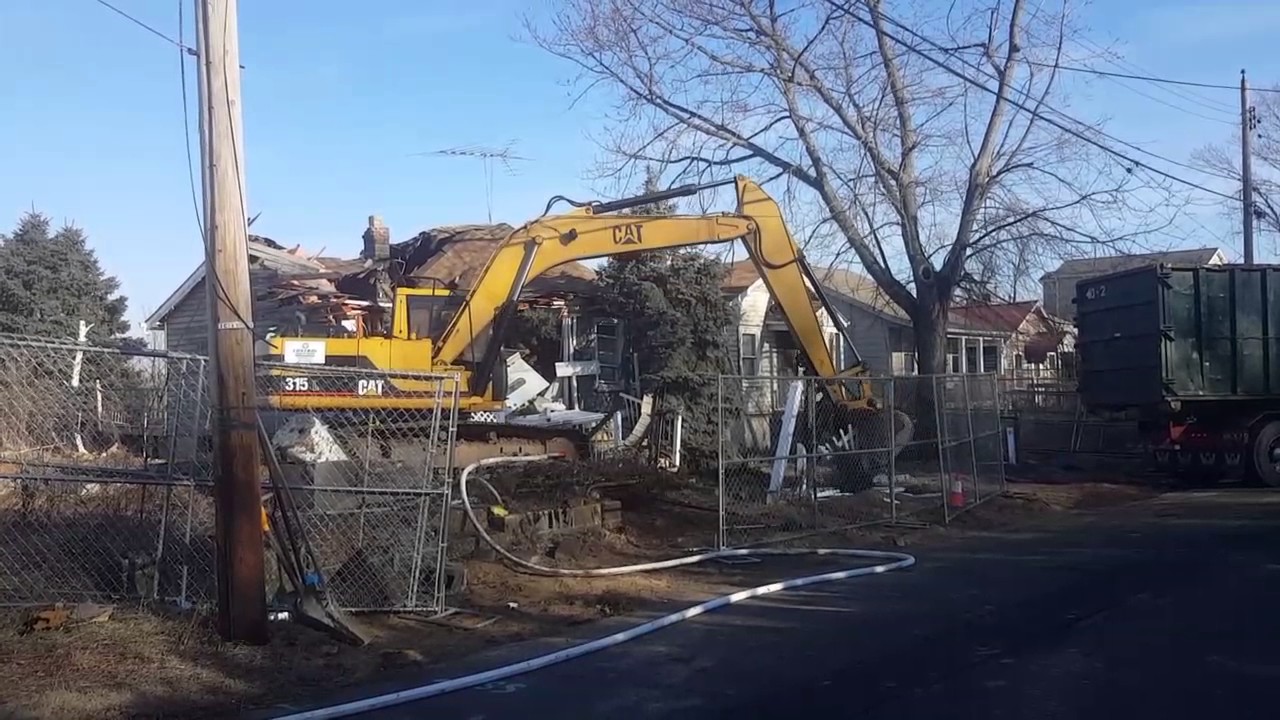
(372, 485)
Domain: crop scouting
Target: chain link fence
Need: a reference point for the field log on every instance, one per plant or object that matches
(795, 459)
(104, 474)
(1051, 425)
(367, 458)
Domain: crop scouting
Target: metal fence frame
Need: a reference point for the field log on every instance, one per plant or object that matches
(1049, 422)
(868, 453)
(105, 473)
(83, 520)
(373, 511)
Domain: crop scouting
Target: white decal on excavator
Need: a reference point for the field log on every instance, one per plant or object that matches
(297, 384)
(369, 387)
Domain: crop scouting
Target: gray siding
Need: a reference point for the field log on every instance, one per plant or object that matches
(187, 324)
(1059, 291)
(870, 333)
(186, 327)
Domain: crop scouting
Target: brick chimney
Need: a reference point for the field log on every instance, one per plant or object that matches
(377, 240)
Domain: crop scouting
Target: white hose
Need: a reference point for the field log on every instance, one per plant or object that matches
(355, 707)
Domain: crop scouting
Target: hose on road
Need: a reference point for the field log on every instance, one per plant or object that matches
(894, 561)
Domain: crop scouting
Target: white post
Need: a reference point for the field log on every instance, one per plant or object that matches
(77, 365)
(789, 413)
(676, 435)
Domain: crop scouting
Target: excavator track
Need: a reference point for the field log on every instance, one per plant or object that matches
(479, 440)
(352, 436)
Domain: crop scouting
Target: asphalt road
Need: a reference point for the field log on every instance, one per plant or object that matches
(1171, 610)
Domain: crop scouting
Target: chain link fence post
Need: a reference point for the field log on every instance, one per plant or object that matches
(721, 431)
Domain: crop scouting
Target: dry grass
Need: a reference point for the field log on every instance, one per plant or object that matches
(144, 664)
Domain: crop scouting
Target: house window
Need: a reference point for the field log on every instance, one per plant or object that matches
(835, 346)
(1019, 362)
(609, 350)
(748, 356)
(971, 358)
(904, 363)
(990, 358)
(953, 355)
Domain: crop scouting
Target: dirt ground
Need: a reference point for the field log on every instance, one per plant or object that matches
(146, 663)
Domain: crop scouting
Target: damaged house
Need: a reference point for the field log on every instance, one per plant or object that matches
(299, 293)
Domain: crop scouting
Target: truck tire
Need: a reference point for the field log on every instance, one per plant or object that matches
(1266, 442)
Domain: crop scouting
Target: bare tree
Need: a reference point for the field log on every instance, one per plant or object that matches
(926, 135)
(1224, 159)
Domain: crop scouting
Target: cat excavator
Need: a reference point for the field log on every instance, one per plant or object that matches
(438, 330)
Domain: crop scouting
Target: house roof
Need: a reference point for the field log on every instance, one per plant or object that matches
(850, 285)
(1004, 318)
(996, 318)
(449, 254)
(1116, 263)
(260, 249)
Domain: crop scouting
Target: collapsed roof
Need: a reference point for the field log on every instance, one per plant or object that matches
(326, 291)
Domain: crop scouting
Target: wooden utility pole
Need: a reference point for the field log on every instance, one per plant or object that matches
(242, 604)
(1246, 166)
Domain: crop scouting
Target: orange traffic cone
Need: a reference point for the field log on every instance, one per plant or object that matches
(955, 498)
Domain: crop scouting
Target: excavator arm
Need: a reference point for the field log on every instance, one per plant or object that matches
(595, 231)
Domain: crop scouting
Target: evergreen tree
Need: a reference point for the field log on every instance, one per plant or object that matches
(675, 321)
(50, 281)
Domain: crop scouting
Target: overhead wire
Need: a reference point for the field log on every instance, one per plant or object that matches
(1155, 79)
(1224, 111)
(145, 26)
(1021, 106)
(1060, 113)
(1163, 84)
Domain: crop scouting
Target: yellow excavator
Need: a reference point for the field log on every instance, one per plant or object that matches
(437, 330)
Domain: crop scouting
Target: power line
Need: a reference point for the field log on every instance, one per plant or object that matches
(1152, 98)
(145, 26)
(1202, 100)
(1035, 113)
(1148, 78)
(1212, 106)
(1113, 138)
(186, 128)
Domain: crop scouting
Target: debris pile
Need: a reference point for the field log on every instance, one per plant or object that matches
(335, 296)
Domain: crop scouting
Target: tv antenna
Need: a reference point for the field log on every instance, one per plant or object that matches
(488, 156)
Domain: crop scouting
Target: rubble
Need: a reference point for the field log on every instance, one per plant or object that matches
(326, 295)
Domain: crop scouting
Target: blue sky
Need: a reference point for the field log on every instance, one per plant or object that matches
(339, 95)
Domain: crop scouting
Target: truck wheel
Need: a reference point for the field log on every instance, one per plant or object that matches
(1266, 454)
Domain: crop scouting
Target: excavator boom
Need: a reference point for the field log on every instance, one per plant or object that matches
(592, 231)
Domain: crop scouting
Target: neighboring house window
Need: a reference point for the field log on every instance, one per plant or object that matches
(835, 346)
(953, 355)
(1018, 361)
(990, 358)
(904, 363)
(748, 356)
(970, 358)
(609, 350)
